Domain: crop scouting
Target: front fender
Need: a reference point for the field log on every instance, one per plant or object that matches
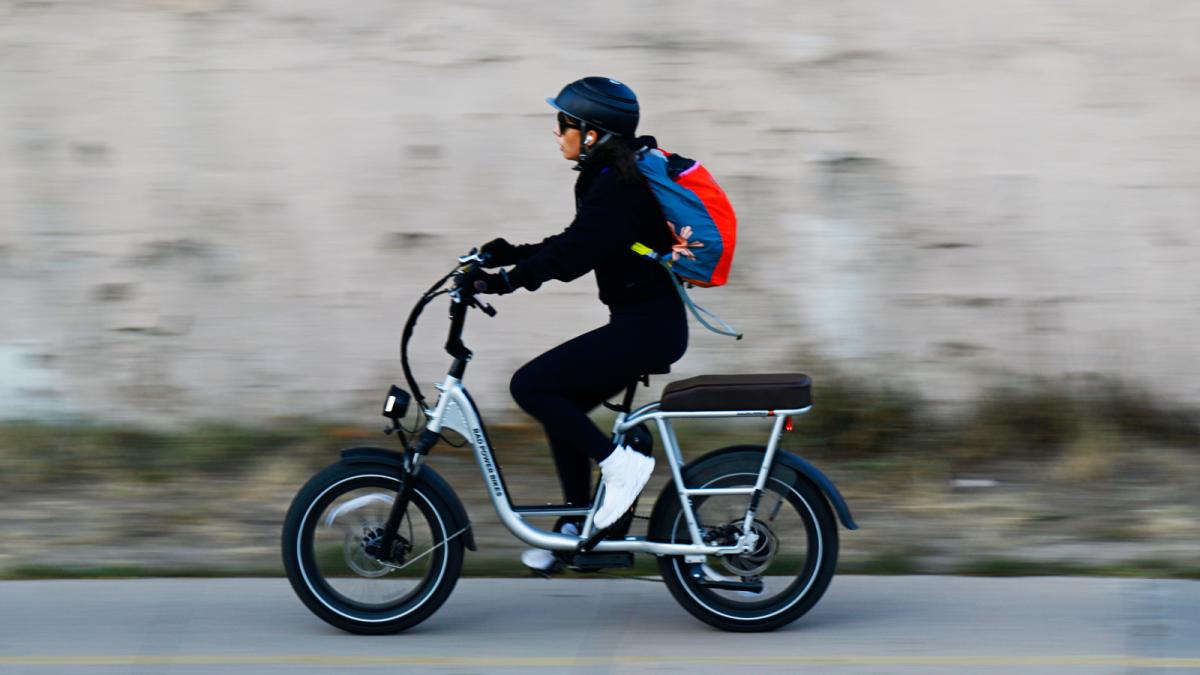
(427, 476)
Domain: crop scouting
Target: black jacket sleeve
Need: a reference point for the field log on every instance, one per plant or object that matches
(525, 251)
(603, 227)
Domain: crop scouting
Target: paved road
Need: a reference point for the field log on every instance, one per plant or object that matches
(863, 625)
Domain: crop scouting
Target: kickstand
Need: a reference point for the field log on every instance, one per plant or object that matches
(590, 543)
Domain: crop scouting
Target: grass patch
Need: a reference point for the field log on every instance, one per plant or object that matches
(1089, 419)
(1014, 567)
(1087, 415)
(508, 566)
(851, 420)
(32, 572)
(36, 453)
(880, 442)
(890, 563)
(887, 564)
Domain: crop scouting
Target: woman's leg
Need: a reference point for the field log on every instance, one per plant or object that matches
(574, 468)
(560, 387)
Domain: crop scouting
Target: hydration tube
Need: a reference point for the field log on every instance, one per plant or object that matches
(699, 312)
(696, 310)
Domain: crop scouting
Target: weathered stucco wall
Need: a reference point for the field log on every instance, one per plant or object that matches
(225, 209)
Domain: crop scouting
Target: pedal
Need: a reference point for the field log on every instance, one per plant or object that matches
(590, 562)
(696, 572)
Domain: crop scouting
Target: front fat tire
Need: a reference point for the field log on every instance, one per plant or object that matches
(727, 616)
(303, 573)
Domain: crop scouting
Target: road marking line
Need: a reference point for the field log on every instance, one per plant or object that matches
(546, 662)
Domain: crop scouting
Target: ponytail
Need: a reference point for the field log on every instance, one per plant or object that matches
(617, 153)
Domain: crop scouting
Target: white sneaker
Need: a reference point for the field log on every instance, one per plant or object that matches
(624, 472)
(541, 560)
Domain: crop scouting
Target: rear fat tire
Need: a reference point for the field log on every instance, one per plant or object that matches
(303, 573)
(810, 584)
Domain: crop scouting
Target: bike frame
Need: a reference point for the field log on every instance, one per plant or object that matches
(456, 411)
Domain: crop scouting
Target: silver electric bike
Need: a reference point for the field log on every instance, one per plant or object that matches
(745, 536)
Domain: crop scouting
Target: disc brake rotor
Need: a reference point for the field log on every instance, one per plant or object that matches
(361, 544)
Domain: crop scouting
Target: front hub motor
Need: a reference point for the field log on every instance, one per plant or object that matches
(362, 550)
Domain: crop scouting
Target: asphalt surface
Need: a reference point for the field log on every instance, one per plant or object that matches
(863, 625)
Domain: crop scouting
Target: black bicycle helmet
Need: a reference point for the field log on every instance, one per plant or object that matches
(600, 102)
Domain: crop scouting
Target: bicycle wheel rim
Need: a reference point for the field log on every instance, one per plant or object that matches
(793, 569)
(355, 596)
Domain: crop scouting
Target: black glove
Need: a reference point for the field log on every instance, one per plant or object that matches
(485, 282)
(500, 253)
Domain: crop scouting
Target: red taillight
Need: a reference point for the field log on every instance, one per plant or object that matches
(787, 424)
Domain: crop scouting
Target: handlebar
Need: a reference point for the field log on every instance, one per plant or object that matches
(468, 263)
(461, 298)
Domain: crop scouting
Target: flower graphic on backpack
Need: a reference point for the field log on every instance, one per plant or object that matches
(681, 245)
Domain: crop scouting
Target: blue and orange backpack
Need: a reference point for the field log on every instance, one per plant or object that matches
(702, 222)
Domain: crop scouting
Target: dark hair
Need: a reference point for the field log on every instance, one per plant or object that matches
(617, 153)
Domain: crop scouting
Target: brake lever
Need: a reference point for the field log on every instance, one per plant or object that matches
(456, 296)
(487, 309)
(475, 256)
(467, 263)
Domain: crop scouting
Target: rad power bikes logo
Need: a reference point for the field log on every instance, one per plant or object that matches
(488, 465)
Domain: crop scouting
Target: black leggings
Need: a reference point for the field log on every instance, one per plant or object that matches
(560, 387)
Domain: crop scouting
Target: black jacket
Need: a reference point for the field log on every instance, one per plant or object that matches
(610, 215)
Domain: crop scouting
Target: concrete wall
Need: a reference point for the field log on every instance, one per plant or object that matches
(216, 208)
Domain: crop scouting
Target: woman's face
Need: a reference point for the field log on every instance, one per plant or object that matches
(566, 130)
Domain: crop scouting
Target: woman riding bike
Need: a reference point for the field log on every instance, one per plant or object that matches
(647, 328)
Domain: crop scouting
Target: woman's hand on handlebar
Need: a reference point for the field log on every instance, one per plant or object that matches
(498, 253)
(485, 282)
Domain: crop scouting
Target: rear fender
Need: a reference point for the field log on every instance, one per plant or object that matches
(427, 476)
(662, 518)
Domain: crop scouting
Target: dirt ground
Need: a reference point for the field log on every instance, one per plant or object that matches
(1127, 510)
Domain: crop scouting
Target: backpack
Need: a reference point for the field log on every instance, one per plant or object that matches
(702, 223)
(701, 218)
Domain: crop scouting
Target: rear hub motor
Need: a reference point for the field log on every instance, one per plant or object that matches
(756, 561)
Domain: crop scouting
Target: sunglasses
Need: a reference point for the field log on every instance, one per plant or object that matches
(566, 122)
